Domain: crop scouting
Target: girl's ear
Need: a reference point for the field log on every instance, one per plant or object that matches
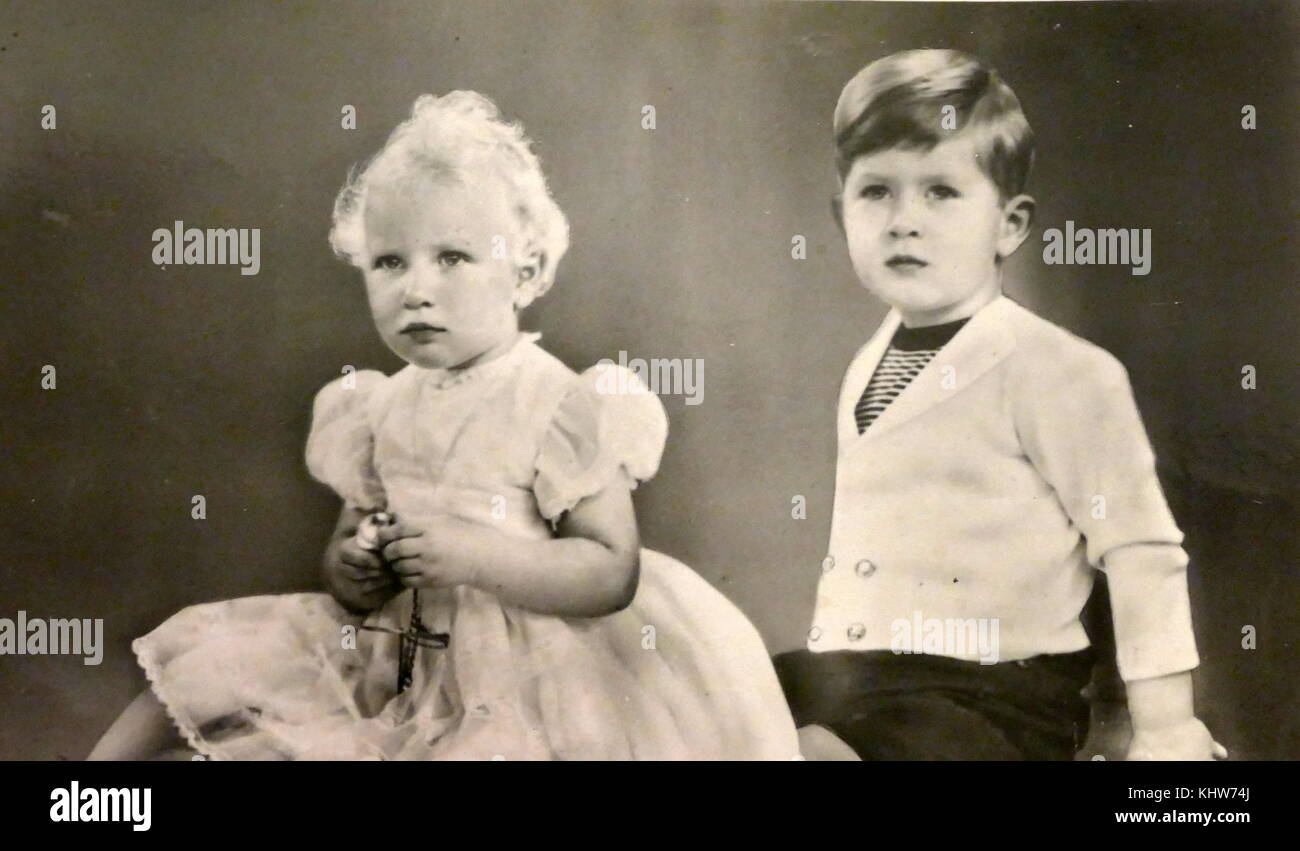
(1017, 217)
(531, 284)
(837, 209)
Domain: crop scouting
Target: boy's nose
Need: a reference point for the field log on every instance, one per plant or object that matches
(905, 219)
(904, 224)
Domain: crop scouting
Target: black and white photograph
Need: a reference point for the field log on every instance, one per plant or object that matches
(728, 380)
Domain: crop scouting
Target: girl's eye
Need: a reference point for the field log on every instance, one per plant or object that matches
(453, 258)
(874, 192)
(391, 262)
(943, 192)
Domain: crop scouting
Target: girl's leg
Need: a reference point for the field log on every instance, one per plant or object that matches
(140, 732)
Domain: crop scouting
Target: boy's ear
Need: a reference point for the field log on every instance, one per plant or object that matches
(837, 209)
(531, 284)
(1017, 218)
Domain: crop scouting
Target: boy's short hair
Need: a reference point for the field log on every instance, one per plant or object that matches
(898, 102)
(449, 137)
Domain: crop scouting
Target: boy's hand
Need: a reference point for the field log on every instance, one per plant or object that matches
(1187, 740)
(435, 556)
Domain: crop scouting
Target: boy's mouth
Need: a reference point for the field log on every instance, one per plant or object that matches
(905, 261)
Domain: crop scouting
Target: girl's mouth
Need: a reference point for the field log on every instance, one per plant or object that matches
(423, 332)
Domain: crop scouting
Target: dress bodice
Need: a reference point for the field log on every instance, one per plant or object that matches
(513, 442)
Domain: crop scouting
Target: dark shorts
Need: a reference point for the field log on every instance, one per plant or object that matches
(889, 706)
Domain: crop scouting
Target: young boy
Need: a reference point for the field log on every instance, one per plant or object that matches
(988, 462)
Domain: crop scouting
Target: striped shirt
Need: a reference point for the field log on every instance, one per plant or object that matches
(909, 351)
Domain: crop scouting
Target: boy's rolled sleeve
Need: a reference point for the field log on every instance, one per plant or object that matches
(1081, 428)
(1151, 610)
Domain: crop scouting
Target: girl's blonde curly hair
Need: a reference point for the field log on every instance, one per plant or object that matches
(450, 136)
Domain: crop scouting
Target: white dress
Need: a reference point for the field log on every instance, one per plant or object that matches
(679, 674)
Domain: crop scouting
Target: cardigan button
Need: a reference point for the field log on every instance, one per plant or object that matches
(857, 632)
(814, 633)
(865, 568)
(828, 563)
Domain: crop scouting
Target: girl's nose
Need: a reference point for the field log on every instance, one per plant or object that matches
(414, 301)
(420, 286)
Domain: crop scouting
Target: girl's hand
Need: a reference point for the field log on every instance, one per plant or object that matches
(1185, 740)
(439, 555)
(590, 569)
(358, 579)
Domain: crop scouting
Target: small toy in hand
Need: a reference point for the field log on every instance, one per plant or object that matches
(368, 532)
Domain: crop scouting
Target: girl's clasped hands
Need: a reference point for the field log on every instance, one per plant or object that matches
(436, 554)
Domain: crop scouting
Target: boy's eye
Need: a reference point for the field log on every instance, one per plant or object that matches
(943, 192)
(874, 192)
(391, 262)
(453, 258)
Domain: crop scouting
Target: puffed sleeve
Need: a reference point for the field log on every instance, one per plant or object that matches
(340, 447)
(609, 428)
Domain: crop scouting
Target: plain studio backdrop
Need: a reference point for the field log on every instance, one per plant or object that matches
(186, 380)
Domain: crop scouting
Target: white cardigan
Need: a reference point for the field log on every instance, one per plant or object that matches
(1010, 467)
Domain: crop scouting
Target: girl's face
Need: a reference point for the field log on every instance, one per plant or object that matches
(440, 269)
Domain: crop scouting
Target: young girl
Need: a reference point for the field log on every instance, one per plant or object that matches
(500, 607)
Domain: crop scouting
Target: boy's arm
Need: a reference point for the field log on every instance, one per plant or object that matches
(1148, 587)
(1160, 702)
(1082, 430)
(1079, 425)
(1165, 725)
(1150, 609)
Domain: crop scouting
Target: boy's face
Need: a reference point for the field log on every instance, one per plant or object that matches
(439, 296)
(926, 229)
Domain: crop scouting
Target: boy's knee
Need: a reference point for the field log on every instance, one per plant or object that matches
(818, 744)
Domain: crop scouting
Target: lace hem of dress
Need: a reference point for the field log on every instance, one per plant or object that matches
(144, 653)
